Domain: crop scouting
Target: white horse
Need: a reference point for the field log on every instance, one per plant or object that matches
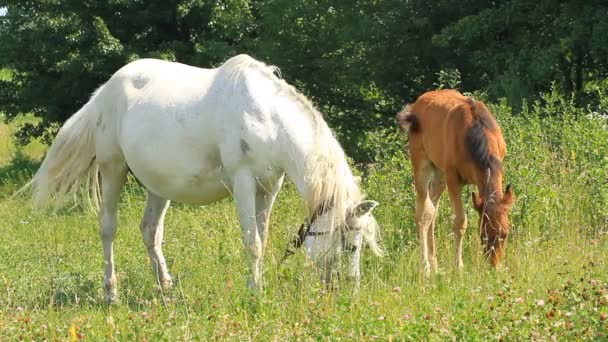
(197, 135)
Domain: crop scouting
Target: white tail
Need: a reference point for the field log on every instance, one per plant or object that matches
(70, 160)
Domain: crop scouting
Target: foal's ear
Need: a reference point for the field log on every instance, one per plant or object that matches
(364, 207)
(509, 197)
(477, 201)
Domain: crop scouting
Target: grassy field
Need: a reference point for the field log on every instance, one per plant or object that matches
(554, 283)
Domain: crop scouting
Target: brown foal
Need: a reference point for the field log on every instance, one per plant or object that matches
(454, 140)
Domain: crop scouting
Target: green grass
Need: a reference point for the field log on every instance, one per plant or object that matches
(554, 283)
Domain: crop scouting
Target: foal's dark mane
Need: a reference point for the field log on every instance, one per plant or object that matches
(476, 140)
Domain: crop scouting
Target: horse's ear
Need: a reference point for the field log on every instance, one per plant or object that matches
(363, 208)
(509, 197)
(477, 201)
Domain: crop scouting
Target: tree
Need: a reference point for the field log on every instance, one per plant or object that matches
(517, 48)
(60, 51)
(359, 60)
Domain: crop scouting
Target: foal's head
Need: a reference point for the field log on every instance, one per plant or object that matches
(494, 225)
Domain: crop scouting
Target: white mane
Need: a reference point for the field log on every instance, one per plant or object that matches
(327, 171)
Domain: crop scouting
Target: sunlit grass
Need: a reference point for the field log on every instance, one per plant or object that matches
(554, 283)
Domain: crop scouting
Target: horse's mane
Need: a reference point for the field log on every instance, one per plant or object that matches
(328, 173)
(476, 139)
(238, 64)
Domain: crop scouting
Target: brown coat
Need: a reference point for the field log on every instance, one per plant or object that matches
(455, 140)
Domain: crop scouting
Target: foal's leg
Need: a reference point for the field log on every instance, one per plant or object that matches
(437, 186)
(425, 210)
(152, 226)
(244, 190)
(460, 220)
(113, 177)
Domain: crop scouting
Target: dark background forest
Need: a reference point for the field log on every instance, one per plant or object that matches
(359, 60)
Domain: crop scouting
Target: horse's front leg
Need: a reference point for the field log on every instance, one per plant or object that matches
(152, 226)
(264, 200)
(354, 271)
(113, 178)
(244, 191)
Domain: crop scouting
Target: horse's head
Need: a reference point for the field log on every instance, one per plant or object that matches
(324, 244)
(495, 225)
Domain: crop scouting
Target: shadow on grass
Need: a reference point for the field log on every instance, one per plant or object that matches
(77, 289)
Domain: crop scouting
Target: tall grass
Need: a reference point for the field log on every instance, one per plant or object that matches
(553, 284)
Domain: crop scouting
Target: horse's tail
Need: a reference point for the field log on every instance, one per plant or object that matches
(70, 160)
(407, 121)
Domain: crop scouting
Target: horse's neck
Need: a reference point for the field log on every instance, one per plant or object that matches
(491, 188)
(319, 168)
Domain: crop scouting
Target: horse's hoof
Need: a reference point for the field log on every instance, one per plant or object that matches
(111, 291)
(166, 284)
(255, 285)
(112, 298)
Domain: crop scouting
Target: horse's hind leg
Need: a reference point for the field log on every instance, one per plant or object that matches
(437, 186)
(425, 210)
(152, 226)
(113, 177)
(460, 220)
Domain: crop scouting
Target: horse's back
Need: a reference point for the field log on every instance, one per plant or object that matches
(446, 119)
(182, 130)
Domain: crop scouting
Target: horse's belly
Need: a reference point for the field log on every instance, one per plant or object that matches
(179, 173)
(195, 193)
(184, 188)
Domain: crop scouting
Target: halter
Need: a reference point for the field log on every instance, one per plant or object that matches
(305, 231)
(346, 246)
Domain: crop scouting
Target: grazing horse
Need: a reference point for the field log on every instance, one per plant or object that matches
(198, 135)
(454, 140)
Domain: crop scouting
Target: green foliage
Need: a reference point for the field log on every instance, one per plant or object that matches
(67, 49)
(360, 61)
(448, 79)
(516, 48)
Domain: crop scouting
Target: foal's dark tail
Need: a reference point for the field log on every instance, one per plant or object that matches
(407, 121)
